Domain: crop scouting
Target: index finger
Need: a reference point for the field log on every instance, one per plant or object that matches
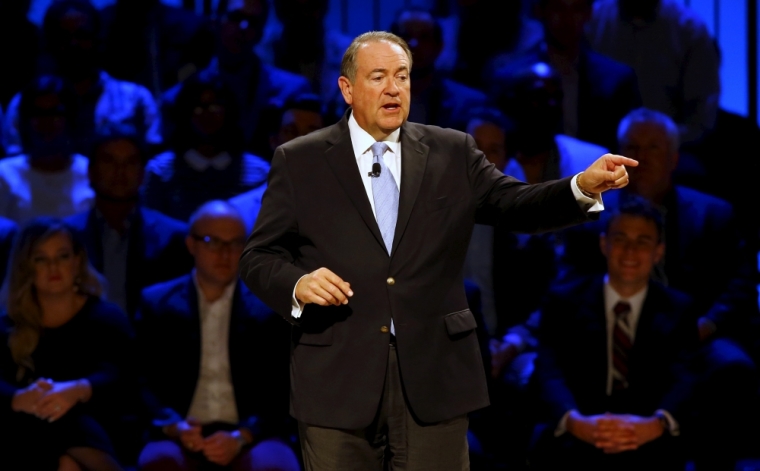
(622, 160)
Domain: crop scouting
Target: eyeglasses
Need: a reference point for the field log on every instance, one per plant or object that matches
(216, 244)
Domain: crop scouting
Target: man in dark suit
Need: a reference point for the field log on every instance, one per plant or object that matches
(614, 353)
(227, 353)
(436, 99)
(596, 91)
(367, 265)
(132, 246)
(260, 89)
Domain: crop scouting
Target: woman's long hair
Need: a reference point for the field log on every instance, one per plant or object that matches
(19, 294)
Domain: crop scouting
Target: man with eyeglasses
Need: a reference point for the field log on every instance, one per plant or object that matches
(221, 405)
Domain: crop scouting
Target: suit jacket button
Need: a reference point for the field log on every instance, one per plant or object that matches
(390, 281)
(384, 329)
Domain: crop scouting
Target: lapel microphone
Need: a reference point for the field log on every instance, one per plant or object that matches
(375, 170)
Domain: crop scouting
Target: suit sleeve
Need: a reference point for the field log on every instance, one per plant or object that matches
(266, 265)
(507, 202)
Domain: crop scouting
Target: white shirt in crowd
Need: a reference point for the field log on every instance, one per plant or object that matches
(26, 193)
(214, 398)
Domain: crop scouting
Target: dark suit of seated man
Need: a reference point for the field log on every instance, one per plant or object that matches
(613, 364)
(132, 246)
(214, 360)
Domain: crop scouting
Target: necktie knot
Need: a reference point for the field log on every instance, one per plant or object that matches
(378, 149)
(622, 309)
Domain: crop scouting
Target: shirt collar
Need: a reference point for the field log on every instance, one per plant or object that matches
(229, 290)
(361, 140)
(611, 297)
(199, 163)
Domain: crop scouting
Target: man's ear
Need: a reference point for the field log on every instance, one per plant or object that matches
(189, 243)
(346, 89)
(659, 252)
(674, 160)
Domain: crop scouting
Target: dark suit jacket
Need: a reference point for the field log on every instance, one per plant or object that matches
(315, 213)
(571, 367)
(8, 230)
(705, 256)
(156, 250)
(169, 341)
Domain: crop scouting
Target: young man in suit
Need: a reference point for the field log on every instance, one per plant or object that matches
(613, 361)
(214, 360)
(360, 243)
(132, 246)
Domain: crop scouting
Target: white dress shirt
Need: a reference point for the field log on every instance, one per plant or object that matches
(214, 398)
(362, 141)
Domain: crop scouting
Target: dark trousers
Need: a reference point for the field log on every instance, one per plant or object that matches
(395, 440)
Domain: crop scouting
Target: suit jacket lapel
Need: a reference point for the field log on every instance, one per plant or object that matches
(340, 157)
(414, 156)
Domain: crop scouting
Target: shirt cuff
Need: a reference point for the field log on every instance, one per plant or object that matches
(562, 425)
(591, 205)
(673, 427)
(297, 306)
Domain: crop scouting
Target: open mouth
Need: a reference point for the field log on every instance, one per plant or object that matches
(392, 107)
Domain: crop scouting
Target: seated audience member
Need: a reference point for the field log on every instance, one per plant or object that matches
(672, 52)
(488, 29)
(133, 246)
(207, 160)
(226, 397)
(20, 38)
(596, 91)
(257, 88)
(301, 115)
(71, 32)
(614, 358)
(154, 44)
(63, 355)
(49, 179)
(435, 99)
(706, 259)
(317, 59)
(530, 93)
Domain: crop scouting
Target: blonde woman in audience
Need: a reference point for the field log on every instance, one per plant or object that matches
(62, 351)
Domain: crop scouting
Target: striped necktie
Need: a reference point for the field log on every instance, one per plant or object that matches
(621, 346)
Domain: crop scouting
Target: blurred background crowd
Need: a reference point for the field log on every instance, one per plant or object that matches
(136, 142)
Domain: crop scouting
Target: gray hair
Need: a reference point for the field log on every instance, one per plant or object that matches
(348, 64)
(215, 208)
(646, 115)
